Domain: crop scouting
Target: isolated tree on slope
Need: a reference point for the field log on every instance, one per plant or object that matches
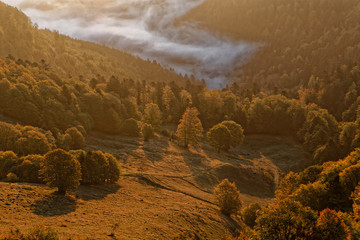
(60, 169)
(219, 136)
(236, 131)
(227, 197)
(190, 129)
(225, 134)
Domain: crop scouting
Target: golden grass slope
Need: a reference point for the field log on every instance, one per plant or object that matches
(164, 190)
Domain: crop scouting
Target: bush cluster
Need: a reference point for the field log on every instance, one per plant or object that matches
(59, 167)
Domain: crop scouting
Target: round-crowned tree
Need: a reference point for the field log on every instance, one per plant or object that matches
(251, 213)
(60, 169)
(113, 173)
(236, 131)
(330, 226)
(77, 138)
(219, 136)
(130, 127)
(94, 167)
(227, 197)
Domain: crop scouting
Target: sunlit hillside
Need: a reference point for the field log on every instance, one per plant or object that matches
(181, 120)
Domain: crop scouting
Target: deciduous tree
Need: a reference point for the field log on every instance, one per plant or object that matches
(60, 169)
(227, 197)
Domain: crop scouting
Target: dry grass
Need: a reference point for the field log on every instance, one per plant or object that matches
(165, 190)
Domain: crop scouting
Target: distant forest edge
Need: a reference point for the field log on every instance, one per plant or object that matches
(301, 37)
(32, 94)
(69, 57)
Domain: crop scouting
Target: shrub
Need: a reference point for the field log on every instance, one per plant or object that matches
(227, 197)
(42, 233)
(28, 169)
(98, 168)
(130, 127)
(251, 213)
(147, 131)
(33, 142)
(113, 173)
(60, 169)
(11, 177)
(165, 133)
(8, 160)
(77, 138)
(36, 233)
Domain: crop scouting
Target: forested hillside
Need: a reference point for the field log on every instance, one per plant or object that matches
(69, 57)
(298, 38)
(63, 100)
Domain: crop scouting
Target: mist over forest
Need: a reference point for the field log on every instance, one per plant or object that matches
(169, 119)
(146, 29)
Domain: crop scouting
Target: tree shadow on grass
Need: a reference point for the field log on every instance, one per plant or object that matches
(96, 192)
(54, 205)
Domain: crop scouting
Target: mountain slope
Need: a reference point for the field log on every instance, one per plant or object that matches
(70, 57)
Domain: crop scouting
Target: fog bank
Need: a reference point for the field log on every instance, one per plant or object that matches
(144, 28)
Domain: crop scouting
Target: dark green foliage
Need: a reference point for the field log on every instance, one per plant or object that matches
(236, 131)
(60, 169)
(152, 115)
(25, 140)
(165, 133)
(330, 226)
(314, 195)
(77, 138)
(33, 142)
(8, 160)
(219, 136)
(28, 169)
(286, 220)
(8, 136)
(93, 167)
(130, 127)
(250, 214)
(147, 131)
(98, 168)
(327, 186)
(227, 197)
(310, 174)
(113, 172)
(350, 178)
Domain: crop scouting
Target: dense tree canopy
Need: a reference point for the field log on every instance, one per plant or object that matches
(60, 169)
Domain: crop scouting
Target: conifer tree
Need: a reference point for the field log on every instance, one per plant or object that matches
(190, 129)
